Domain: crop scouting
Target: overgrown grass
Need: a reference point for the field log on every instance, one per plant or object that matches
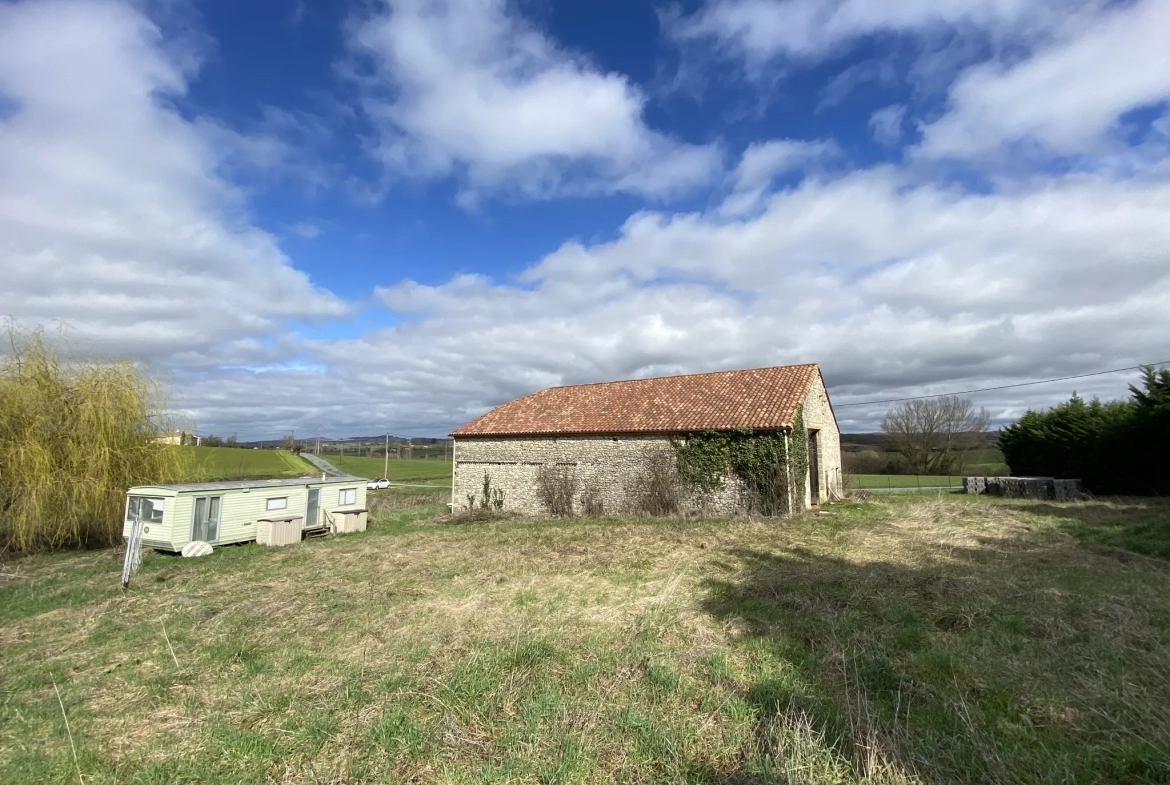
(400, 470)
(229, 463)
(1141, 525)
(910, 640)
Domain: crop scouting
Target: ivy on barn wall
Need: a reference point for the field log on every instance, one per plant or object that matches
(772, 468)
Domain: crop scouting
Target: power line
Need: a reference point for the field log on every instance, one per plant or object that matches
(1002, 387)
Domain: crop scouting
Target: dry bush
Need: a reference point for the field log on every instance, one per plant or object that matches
(74, 436)
(656, 489)
(383, 501)
(773, 496)
(556, 486)
(592, 505)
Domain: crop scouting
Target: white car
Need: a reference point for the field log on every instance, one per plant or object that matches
(374, 485)
(383, 483)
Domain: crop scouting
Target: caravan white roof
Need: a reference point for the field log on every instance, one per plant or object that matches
(231, 485)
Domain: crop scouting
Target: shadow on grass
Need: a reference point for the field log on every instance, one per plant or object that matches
(1012, 661)
(1132, 524)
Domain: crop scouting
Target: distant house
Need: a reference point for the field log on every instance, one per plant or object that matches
(604, 433)
(182, 438)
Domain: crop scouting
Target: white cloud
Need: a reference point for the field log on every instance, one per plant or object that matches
(893, 286)
(306, 230)
(468, 88)
(119, 215)
(763, 162)
(759, 31)
(113, 218)
(1068, 96)
(886, 124)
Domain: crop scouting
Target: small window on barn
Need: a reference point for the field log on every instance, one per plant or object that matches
(347, 496)
(279, 503)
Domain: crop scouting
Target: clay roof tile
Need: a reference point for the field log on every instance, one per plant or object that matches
(760, 398)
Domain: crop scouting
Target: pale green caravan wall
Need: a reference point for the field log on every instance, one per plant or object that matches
(239, 510)
(159, 535)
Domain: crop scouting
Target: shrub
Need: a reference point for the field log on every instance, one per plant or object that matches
(592, 505)
(74, 436)
(556, 486)
(1115, 447)
(493, 497)
(656, 489)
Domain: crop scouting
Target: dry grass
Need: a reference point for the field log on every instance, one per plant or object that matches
(898, 642)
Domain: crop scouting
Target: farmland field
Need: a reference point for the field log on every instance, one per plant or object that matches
(907, 640)
(229, 463)
(863, 481)
(401, 469)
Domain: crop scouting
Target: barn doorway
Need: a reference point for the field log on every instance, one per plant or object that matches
(814, 469)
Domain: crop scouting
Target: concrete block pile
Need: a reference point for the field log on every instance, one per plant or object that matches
(1043, 488)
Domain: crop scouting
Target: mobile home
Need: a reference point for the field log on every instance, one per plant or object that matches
(221, 513)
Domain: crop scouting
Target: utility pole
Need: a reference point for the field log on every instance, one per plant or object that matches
(386, 460)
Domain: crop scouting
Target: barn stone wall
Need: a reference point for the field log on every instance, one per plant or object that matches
(818, 415)
(607, 463)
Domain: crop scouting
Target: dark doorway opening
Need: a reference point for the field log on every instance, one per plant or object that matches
(814, 469)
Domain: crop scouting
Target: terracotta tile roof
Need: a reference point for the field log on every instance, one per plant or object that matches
(762, 398)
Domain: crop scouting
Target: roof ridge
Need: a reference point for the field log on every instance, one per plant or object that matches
(672, 376)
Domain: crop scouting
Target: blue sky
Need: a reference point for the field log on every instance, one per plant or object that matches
(394, 214)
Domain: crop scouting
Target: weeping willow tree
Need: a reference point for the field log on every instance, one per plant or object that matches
(74, 435)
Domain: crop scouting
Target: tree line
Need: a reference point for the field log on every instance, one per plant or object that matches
(1116, 447)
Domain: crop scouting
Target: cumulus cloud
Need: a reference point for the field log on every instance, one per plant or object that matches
(113, 216)
(893, 286)
(763, 162)
(121, 216)
(886, 124)
(761, 31)
(467, 88)
(1068, 96)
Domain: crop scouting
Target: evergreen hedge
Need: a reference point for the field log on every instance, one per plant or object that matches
(1116, 447)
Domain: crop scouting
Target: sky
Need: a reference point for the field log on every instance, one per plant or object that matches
(352, 217)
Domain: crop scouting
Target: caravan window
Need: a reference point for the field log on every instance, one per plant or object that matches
(347, 496)
(149, 508)
(279, 503)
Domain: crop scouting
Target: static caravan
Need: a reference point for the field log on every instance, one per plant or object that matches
(221, 513)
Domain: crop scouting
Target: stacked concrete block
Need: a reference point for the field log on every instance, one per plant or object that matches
(975, 485)
(1069, 490)
(1044, 488)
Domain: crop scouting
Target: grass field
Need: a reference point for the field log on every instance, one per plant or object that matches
(906, 640)
(229, 463)
(864, 481)
(401, 470)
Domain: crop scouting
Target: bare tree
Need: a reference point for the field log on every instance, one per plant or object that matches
(933, 435)
(289, 442)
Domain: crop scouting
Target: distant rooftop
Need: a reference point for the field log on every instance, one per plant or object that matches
(231, 485)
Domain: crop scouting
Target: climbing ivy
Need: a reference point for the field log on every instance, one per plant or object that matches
(772, 467)
(798, 458)
(703, 460)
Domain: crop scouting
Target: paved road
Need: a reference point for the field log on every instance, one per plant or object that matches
(323, 465)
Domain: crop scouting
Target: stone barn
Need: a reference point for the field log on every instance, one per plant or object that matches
(604, 434)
